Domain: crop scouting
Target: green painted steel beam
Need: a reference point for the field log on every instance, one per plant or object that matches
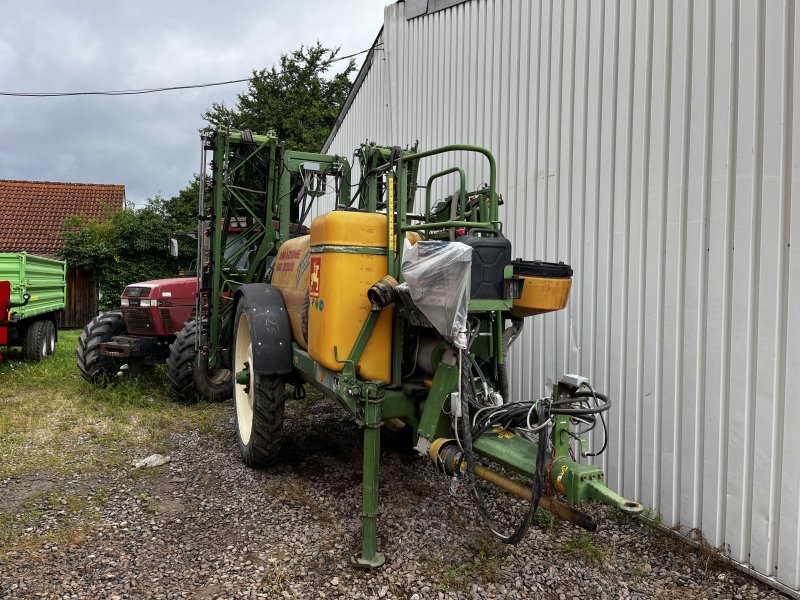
(435, 422)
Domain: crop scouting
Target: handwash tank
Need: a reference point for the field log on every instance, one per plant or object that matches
(348, 255)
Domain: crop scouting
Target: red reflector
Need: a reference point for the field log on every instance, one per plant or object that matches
(461, 231)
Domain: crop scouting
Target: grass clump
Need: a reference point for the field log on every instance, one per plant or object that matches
(583, 546)
(480, 564)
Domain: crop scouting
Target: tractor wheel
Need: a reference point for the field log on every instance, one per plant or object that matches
(259, 404)
(188, 378)
(94, 367)
(50, 336)
(34, 346)
(180, 364)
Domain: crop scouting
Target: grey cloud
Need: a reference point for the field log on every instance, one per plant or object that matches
(148, 143)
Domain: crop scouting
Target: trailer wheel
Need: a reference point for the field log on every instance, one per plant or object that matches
(50, 336)
(94, 367)
(188, 378)
(35, 344)
(258, 404)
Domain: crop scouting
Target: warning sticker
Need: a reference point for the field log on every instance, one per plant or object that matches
(316, 265)
(559, 484)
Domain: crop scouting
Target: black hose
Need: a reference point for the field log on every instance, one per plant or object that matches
(467, 391)
(502, 381)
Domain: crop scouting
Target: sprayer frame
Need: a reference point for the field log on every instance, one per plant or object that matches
(388, 183)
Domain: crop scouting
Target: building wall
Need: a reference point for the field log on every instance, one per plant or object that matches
(653, 146)
(81, 304)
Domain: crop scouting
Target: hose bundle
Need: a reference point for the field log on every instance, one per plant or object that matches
(468, 397)
(526, 419)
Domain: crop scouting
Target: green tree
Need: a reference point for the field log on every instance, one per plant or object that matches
(180, 211)
(125, 247)
(295, 100)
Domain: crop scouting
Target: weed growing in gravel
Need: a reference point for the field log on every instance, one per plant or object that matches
(582, 545)
(52, 420)
(544, 518)
(274, 578)
(637, 572)
(12, 525)
(482, 564)
(419, 487)
(651, 520)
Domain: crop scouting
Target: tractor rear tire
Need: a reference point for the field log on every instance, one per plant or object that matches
(95, 368)
(35, 344)
(187, 373)
(260, 405)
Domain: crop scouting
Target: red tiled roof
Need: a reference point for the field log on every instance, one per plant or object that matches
(32, 213)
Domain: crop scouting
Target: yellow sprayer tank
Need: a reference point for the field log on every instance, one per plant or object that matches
(348, 255)
(290, 276)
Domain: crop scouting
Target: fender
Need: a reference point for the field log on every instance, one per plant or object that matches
(270, 330)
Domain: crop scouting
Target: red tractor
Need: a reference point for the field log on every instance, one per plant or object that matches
(155, 324)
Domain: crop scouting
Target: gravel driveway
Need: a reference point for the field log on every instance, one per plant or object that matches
(204, 526)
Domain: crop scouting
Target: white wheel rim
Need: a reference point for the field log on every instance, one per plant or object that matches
(52, 340)
(243, 353)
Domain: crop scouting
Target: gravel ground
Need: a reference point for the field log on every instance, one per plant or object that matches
(204, 526)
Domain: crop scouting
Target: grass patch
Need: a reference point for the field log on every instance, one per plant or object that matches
(11, 526)
(582, 546)
(64, 515)
(53, 420)
(481, 565)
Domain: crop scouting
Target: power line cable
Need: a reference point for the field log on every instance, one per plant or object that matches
(158, 89)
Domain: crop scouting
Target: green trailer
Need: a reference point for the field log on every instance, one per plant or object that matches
(32, 291)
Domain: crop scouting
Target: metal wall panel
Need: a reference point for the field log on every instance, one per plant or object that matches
(653, 146)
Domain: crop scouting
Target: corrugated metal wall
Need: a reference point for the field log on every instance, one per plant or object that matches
(653, 146)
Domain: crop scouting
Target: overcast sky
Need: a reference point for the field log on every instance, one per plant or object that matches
(148, 143)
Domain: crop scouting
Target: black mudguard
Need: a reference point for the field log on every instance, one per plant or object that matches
(270, 330)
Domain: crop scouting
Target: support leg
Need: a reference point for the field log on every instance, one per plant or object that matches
(370, 558)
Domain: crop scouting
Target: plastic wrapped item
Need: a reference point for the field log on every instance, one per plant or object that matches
(438, 279)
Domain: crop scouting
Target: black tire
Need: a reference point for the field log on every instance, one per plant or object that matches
(180, 364)
(95, 368)
(34, 346)
(50, 337)
(259, 407)
(187, 373)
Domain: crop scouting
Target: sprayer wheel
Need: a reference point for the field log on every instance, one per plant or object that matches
(259, 404)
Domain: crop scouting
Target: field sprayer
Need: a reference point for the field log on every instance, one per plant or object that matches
(404, 317)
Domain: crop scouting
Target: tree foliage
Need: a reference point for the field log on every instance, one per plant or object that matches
(127, 246)
(295, 99)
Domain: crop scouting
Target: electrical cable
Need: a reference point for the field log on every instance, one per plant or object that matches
(136, 92)
(605, 427)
